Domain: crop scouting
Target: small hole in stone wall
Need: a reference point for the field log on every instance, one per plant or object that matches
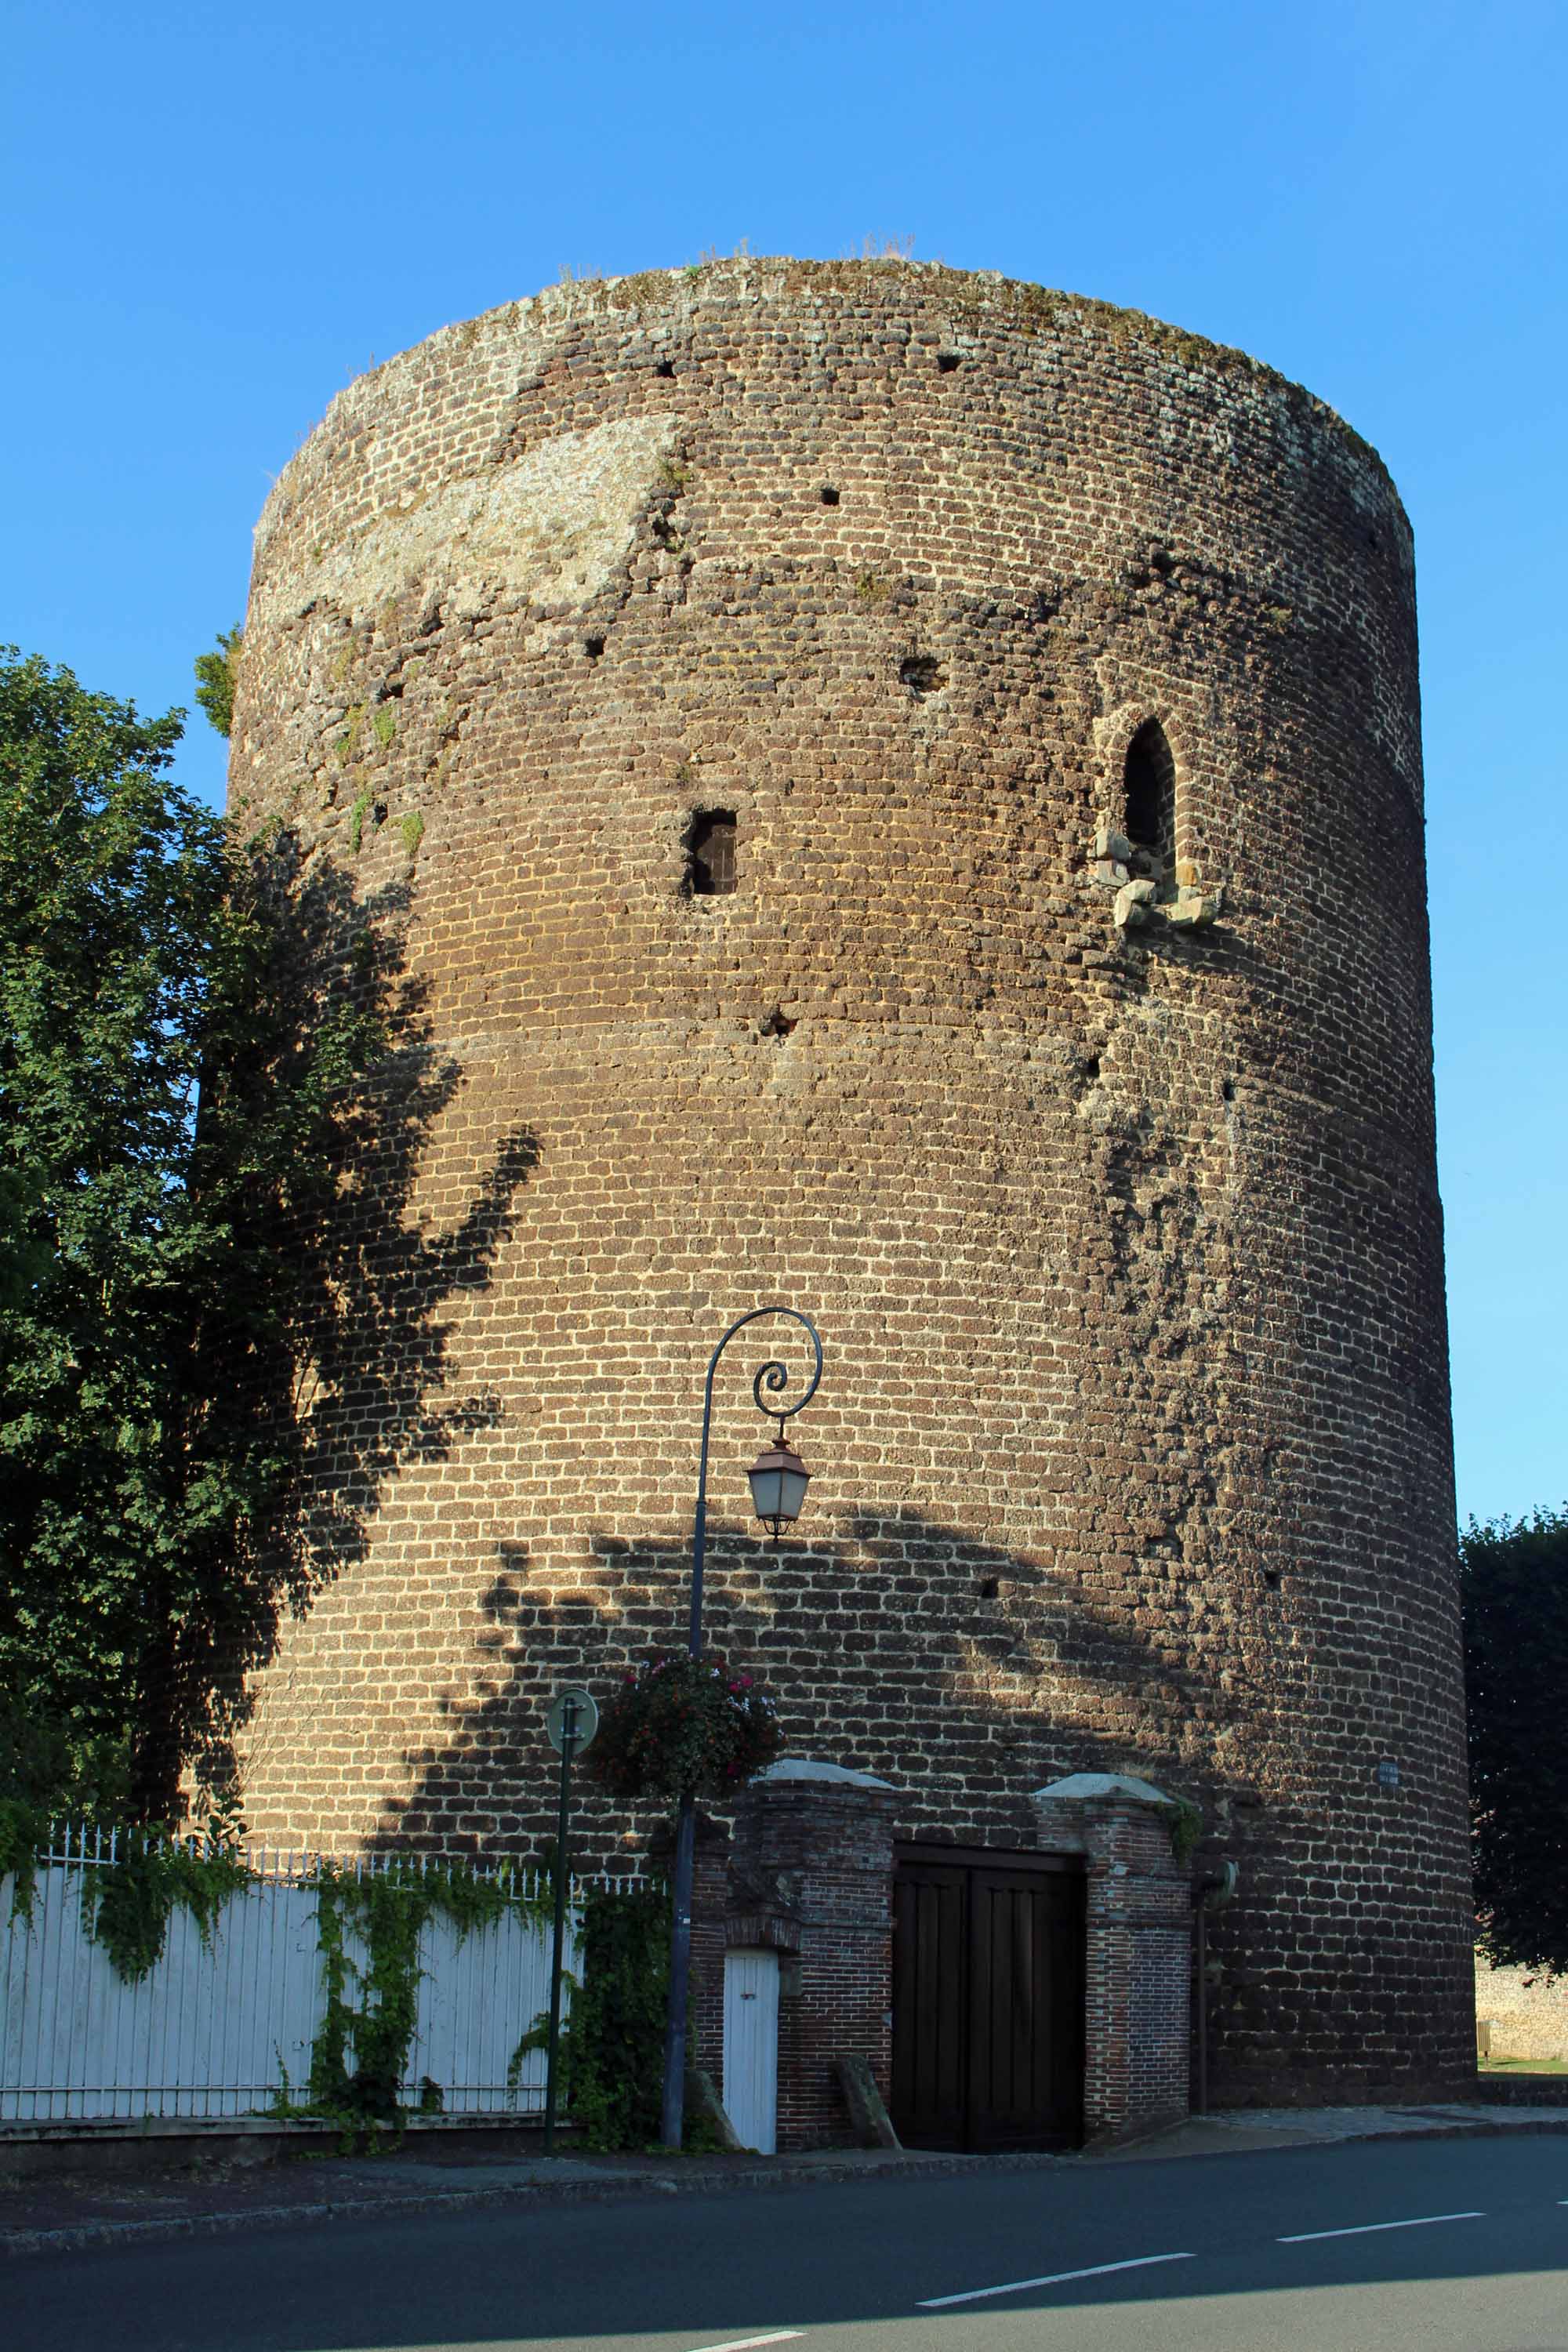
(1374, 541)
(665, 367)
(379, 813)
(1271, 1577)
(946, 362)
(593, 647)
(711, 854)
(776, 1025)
(1227, 1091)
(990, 1587)
(920, 674)
(829, 495)
(1091, 1070)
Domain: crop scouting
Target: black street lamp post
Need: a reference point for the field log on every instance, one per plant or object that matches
(778, 1479)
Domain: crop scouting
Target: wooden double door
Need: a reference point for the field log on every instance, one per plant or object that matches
(988, 1998)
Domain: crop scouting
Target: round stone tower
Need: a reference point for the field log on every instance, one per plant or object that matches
(897, 792)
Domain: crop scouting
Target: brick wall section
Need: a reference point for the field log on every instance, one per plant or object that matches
(811, 1872)
(1137, 1960)
(1134, 1450)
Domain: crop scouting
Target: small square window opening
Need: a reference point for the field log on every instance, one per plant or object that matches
(711, 854)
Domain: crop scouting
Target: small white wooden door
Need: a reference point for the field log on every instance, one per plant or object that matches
(751, 2047)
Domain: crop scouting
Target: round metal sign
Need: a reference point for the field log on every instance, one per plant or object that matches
(585, 1719)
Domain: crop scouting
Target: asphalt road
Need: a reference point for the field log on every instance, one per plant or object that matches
(1437, 2245)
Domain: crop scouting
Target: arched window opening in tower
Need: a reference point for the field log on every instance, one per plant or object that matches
(1150, 778)
(711, 854)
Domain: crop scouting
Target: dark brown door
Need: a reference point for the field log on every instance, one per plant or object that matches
(987, 2002)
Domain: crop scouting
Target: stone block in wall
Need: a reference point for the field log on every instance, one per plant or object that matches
(1133, 902)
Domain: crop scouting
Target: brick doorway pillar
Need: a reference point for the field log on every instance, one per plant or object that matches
(1138, 1964)
(811, 1875)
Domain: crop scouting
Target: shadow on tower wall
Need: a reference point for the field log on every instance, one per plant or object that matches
(964, 1674)
(878, 1658)
(355, 1341)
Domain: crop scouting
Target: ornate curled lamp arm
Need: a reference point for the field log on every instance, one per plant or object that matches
(775, 1376)
(772, 1377)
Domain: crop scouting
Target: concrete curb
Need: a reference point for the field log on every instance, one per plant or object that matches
(612, 2189)
(1490, 2130)
(618, 2188)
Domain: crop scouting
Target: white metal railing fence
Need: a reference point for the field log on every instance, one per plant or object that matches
(222, 2028)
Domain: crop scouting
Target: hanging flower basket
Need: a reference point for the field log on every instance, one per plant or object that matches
(677, 1724)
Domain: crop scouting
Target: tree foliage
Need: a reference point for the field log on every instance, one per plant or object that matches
(172, 1123)
(1514, 1581)
(215, 678)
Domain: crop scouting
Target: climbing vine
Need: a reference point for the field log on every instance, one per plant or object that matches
(361, 2053)
(368, 1931)
(611, 2057)
(22, 1833)
(128, 1903)
(1186, 1827)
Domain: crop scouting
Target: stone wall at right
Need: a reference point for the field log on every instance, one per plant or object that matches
(1521, 2012)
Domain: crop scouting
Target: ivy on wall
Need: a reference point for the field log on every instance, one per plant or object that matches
(611, 2065)
(360, 2054)
(1186, 1827)
(371, 2011)
(22, 1832)
(128, 1903)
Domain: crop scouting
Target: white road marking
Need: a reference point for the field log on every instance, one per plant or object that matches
(1364, 2229)
(745, 2343)
(1054, 2278)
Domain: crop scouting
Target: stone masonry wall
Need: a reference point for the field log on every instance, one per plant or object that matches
(1523, 2012)
(1132, 1451)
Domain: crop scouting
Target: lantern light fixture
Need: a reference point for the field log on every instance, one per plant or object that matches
(779, 1479)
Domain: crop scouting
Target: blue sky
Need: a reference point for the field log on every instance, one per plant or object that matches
(217, 217)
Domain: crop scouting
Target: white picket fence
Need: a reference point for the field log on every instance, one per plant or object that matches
(221, 2028)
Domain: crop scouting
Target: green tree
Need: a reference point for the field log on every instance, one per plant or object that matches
(215, 674)
(172, 1123)
(1514, 1583)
